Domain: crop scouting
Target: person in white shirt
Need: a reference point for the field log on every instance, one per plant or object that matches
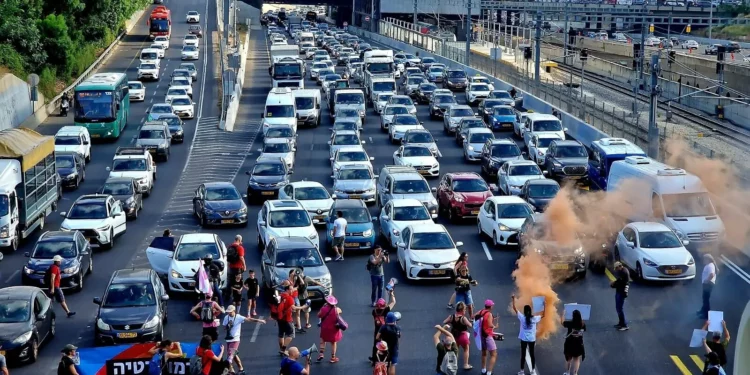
(708, 278)
(527, 335)
(233, 323)
(339, 235)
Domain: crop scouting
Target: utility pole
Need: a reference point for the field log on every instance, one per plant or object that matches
(710, 21)
(414, 17)
(567, 36)
(468, 32)
(642, 50)
(372, 16)
(538, 47)
(669, 30)
(653, 129)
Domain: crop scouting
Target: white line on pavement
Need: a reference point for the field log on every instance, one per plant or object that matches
(155, 91)
(13, 276)
(440, 155)
(255, 331)
(370, 140)
(157, 85)
(486, 251)
(735, 268)
(528, 362)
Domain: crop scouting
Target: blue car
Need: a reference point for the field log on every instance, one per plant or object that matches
(76, 263)
(503, 117)
(360, 231)
(219, 203)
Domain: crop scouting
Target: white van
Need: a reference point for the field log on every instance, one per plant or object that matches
(74, 139)
(307, 104)
(674, 197)
(540, 123)
(280, 109)
(150, 56)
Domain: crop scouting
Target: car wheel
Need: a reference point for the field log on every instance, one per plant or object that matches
(452, 217)
(79, 287)
(111, 243)
(42, 222)
(479, 229)
(88, 157)
(14, 242)
(135, 215)
(639, 272)
(616, 254)
(260, 243)
(91, 266)
(204, 222)
(495, 242)
(83, 176)
(34, 350)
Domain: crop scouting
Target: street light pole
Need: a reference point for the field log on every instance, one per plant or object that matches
(653, 128)
(468, 32)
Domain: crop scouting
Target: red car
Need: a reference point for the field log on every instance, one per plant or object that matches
(460, 195)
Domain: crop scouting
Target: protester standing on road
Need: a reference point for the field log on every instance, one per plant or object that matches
(53, 282)
(236, 285)
(377, 276)
(464, 281)
(379, 313)
(290, 366)
(447, 351)
(527, 335)
(713, 367)
(67, 365)
(379, 360)
(330, 329)
(161, 353)
(207, 356)
(285, 314)
(236, 260)
(208, 311)
(459, 329)
(339, 235)
(213, 271)
(622, 287)
(253, 292)
(719, 342)
(233, 323)
(487, 332)
(573, 347)
(462, 262)
(303, 282)
(708, 278)
(391, 334)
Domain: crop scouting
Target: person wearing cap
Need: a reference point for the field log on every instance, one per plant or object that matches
(391, 334)
(290, 366)
(489, 348)
(377, 276)
(718, 343)
(53, 276)
(330, 332)
(233, 323)
(379, 313)
(622, 287)
(67, 365)
(444, 342)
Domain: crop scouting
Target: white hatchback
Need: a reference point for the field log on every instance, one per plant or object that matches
(191, 40)
(284, 218)
(137, 91)
(313, 196)
(501, 218)
(163, 41)
(180, 266)
(654, 252)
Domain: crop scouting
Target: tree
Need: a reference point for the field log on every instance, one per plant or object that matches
(57, 42)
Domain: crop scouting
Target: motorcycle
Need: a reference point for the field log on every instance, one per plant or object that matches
(64, 105)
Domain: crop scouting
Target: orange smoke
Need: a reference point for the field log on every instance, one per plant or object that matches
(533, 279)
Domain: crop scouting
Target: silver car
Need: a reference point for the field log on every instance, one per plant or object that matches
(346, 113)
(295, 253)
(391, 110)
(382, 100)
(474, 143)
(282, 132)
(420, 137)
(405, 101)
(412, 83)
(344, 138)
(453, 116)
(355, 181)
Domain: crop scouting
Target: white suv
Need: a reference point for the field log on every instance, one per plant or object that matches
(284, 218)
(99, 217)
(135, 163)
(179, 265)
(193, 17)
(148, 71)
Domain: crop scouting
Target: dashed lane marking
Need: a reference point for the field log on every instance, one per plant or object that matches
(486, 251)
(256, 330)
(609, 274)
(735, 268)
(698, 361)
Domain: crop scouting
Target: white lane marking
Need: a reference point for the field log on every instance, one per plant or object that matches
(155, 91)
(486, 251)
(528, 364)
(157, 85)
(735, 268)
(143, 119)
(312, 146)
(255, 331)
(13, 276)
(370, 138)
(440, 155)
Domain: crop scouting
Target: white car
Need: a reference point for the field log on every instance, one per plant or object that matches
(278, 41)
(513, 174)
(427, 252)
(148, 71)
(180, 266)
(137, 91)
(173, 92)
(482, 79)
(382, 101)
(73, 138)
(159, 48)
(316, 68)
(538, 146)
(689, 44)
(183, 106)
(190, 53)
(278, 148)
(193, 17)
(284, 218)
(398, 214)
(312, 195)
(191, 40)
(652, 42)
(501, 218)
(654, 252)
(99, 217)
(405, 101)
(400, 125)
(344, 138)
(419, 157)
(389, 112)
(350, 155)
(272, 29)
(477, 92)
(182, 83)
(519, 127)
(310, 52)
(474, 143)
(162, 41)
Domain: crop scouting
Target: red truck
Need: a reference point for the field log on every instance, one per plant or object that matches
(160, 22)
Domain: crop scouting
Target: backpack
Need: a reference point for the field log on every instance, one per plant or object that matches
(156, 364)
(449, 366)
(381, 366)
(233, 255)
(207, 312)
(196, 365)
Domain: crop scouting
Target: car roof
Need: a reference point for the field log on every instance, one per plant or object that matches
(396, 105)
(460, 106)
(130, 275)
(119, 179)
(567, 142)
(57, 235)
(275, 140)
(301, 184)
(503, 141)
(406, 202)
(521, 162)
(66, 153)
(293, 242)
(542, 181)
(480, 130)
(642, 226)
(344, 132)
(153, 126)
(428, 228)
(464, 175)
(407, 176)
(198, 238)
(92, 198)
(284, 204)
(17, 292)
(218, 185)
(506, 199)
(349, 148)
(348, 203)
(355, 166)
(547, 135)
(268, 159)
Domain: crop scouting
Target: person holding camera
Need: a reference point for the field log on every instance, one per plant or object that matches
(464, 281)
(290, 366)
(377, 276)
(233, 323)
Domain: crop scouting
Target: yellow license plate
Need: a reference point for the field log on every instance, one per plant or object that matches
(227, 221)
(437, 272)
(355, 196)
(559, 266)
(2, 352)
(127, 335)
(674, 272)
(507, 125)
(475, 212)
(267, 193)
(95, 135)
(351, 244)
(424, 172)
(319, 217)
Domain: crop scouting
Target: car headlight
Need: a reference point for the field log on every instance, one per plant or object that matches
(152, 323)
(367, 233)
(22, 339)
(282, 183)
(102, 326)
(104, 228)
(325, 280)
(72, 175)
(434, 107)
(503, 228)
(4, 231)
(459, 199)
(143, 181)
(361, 112)
(72, 270)
(175, 274)
(471, 148)
(312, 236)
(578, 251)
(243, 210)
(130, 202)
(557, 165)
(413, 111)
(396, 232)
(252, 183)
(28, 270)
(208, 211)
(649, 263)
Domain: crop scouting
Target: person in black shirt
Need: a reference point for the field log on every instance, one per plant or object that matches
(253, 291)
(391, 334)
(719, 342)
(236, 287)
(379, 314)
(512, 92)
(621, 286)
(573, 347)
(67, 365)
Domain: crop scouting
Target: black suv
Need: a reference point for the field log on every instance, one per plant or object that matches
(567, 160)
(497, 152)
(424, 92)
(455, 79)
(269, 174)
(125, 190)
(439, 104)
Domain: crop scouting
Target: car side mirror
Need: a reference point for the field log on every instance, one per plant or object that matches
(247, 173)
(372, 158)
(316, 221)
(85, 142)
(329, 143)
(545, 173)
(630, 244)
(565, 129)
(262, 223)
(685, 242)
(434, 189)
(27, 254)
(267, 262)
(63, 213)
(385, 218)
(165, 297)
(401, 245)
(459, 244)
(97, 301)
(327, 259)
(262, 115)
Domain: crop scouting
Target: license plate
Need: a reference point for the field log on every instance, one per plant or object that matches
(424, 172)
(475, 212)
(227, 221)
(267, 193)
(674, 272)
(559, 266)
(95, 136)
(355, 196)
(319, 217)
(127, 335)
(436, 272)
(351, 244)
(507, 125)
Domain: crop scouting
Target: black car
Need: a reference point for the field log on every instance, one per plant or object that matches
(196, 30)
(77, 261)
(71, 168)
(26, 321)
(539, 193)
(567, 160)
(133, 308)
(266, 178)
(568, 260)
(176, 130)
(497, 152)
(426, 62)
(486, 107)
(439, 104)
(125, 190)
(424, 92)
(455, 79)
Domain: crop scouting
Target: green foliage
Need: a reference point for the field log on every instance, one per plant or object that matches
(59, 39)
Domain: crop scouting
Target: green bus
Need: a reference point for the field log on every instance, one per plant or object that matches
(101, 104)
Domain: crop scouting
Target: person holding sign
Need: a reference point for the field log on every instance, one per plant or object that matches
(573, 347)
(718, 343)
(527, 335)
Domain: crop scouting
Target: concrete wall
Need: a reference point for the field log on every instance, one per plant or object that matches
(245, 11)
(429, 7)
(15, 106)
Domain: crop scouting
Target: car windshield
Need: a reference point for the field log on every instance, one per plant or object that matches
(129, 295)
(503, 111)
(355, 174)
(345, 125)
(14, 311)
(48, 249)
(135, 86)
(331, 77)
(298, 258)
(196, 251)
(151, 134)
(181, 101)
(411, 187)
(304, 103)
(571, 152)
(117, 188)
(480, 137)
(268, 169)
(277, 148)
(289, 219)
(351, 156)
(85, 211)
(500, 95)
(280, 132)
(419, 137)
(354, 215)
(504, 150)
(347, 112)
(161, 109)
(401, 101)
(543, 190)
(119, 165)
(472, 123)
(345, 140)
(350, 98)
(311, 193)
(525, 170)
(64, 162)
(279, 111)
(190, 48)
(514, 211)
(547, 126)
(544, 142)
(320, 66)
(437, 70)
(456, 74)
(396, 111)
(688, 205)
(384, 86)
(410, 213)
(444, 99)
(481, 80)
(191, 37)
(431, 241)
(462, 112)
(480, 87)
(176, 92)
(416, 151)
(490, 103)
(222, 194)
(416, 80)
(428, 87)
(428, 60)
(658, 240)
(405, 120)
(148, 66)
